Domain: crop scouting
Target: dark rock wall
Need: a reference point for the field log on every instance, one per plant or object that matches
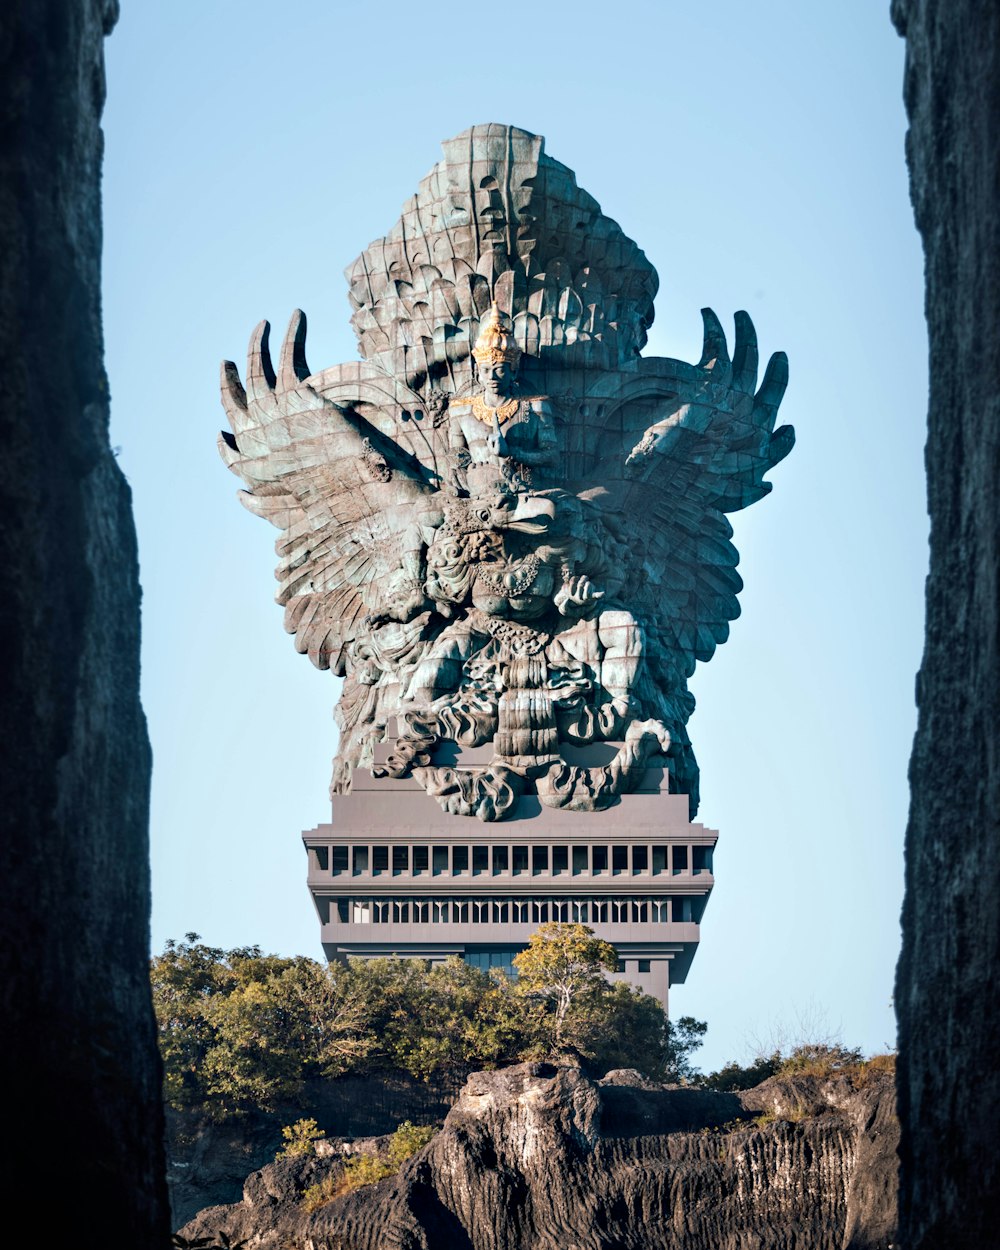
(79, 1059)
(540, 1158)
(946, 993)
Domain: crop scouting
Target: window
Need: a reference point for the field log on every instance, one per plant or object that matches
(480, 911)
(499, 860)
(659, 860)
(362, 912)
(539, 913)
(579, 860)
(360, 860)
(400, 860)
(640, 911)
(501, 912)
(520, 912)
(343, 905)
(619, 862)
(419, 860)
(380, 860)
(380, 913)
(681, 910)
(439, 860)
(520, 860)
(621, 965)
(560, 912)
(480, 860)
(599, 911)
(680, 858)
(619, 911)
(560, 860)
(579, 913)
(600, 860)
(322, 857)
(660, 910)
(460, 913)
(701, 859)
(339, 860)
(401, 913)
(539, 860)
(643, 965)
(640, 862)
(459, 860)
(421, 911)
(439, 913)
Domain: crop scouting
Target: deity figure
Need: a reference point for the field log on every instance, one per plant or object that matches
(481, 565)
(499, 429)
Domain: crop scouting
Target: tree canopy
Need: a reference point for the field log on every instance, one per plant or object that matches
(239, 1029)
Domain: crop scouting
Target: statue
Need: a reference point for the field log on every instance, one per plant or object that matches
(504, 525)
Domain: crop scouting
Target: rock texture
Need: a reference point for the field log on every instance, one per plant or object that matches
(949, 1012)
(540, 1157)
(78, 1039)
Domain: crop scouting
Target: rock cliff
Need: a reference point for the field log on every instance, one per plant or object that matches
(540, 1156)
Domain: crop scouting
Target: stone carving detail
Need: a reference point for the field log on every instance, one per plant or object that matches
(480, 562)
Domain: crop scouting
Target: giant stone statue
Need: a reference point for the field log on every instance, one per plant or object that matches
(504, 525)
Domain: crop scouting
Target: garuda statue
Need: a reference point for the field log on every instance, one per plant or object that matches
(505, 525)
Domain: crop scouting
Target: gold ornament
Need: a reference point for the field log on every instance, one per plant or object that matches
(495, 344)
(483, 412)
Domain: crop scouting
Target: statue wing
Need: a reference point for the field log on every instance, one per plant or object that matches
(349, 501)
(706, 457)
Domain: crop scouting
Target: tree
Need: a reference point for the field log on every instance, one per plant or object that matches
(565, 965)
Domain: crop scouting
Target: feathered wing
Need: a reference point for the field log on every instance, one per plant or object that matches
(674, 481)
(351, 504)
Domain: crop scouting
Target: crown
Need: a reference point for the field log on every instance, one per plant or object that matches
(496, 340)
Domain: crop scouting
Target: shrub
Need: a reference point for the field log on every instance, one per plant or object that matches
(300, 1139)
(368, 1168)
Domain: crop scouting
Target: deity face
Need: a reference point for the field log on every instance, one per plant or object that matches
(498, 381)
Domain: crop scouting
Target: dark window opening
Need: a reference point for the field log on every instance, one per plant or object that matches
(339, 860)
(520, 860)
(619, 860)
(659, 860)
(539, 859)
(701, 858)
(343, 906)
(419, 860)
(459, 860)
(360, 860)
(439, 860)
(480, 860)
(322, 854)
(680, 858)
(400, 859)
(380, 859)
(499, 859)
(621, 965)
(643, 965)
(640, 861)
(600, 854)
(560, 860)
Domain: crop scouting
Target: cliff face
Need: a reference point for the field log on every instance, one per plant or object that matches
(78, 1039)
(948, 1008)
(540, 1157)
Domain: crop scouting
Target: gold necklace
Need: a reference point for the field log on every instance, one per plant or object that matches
(503, 412)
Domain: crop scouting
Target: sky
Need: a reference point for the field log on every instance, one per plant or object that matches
(755, 153)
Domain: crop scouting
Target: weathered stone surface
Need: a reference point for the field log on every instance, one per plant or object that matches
(504, 526)
(946, 1000)
(79, 1053)
(539, 1157)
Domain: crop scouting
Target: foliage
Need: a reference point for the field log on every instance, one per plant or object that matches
(240, 1029)
(819, 1059)
(564, 964)
(300, 1139)
(367, 1168)
(735, 1076)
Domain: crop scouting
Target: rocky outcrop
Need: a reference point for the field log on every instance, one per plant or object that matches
(78, 1041)
(538, 1157)
(948, 1008)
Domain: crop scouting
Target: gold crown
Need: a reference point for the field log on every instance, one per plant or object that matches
(496, 340)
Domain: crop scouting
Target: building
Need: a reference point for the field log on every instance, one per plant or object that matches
(395, 875)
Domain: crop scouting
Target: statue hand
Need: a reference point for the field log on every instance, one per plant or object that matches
(576, 595)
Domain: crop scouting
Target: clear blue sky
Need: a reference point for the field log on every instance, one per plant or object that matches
(755, 152)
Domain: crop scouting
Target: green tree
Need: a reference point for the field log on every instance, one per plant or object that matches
(564, 964)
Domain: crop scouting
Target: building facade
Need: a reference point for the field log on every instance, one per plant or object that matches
(394, 875)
